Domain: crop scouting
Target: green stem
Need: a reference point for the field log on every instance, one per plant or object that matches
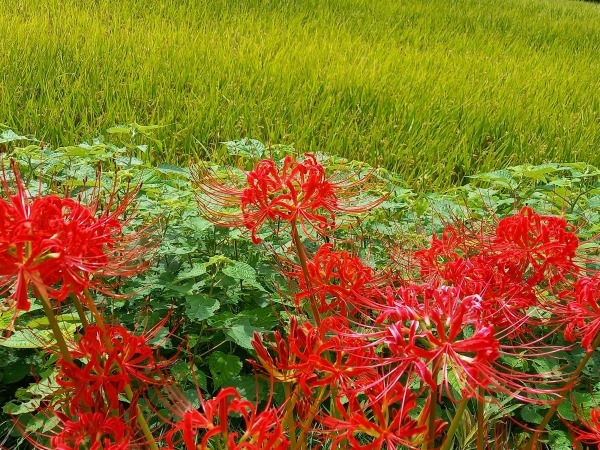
(80, 311)
(288, 420)
(430, 436)
(60, 339)
(561, 397)
(480, 418)
(302, 257)
(311, 415)
(454, 425)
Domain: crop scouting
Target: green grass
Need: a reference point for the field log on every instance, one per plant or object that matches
(435, 89)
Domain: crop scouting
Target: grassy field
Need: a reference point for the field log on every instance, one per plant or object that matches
(435, 89)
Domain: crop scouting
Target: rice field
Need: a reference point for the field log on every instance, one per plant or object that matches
(433, 89)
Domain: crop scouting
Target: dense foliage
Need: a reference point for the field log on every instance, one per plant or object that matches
(292, 301)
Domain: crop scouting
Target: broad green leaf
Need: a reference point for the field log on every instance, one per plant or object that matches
(10, 136)
(22, 408)
(533, 414)
(250, 148)
(168, 168)
(223, 368)
(28, 339)
(196, 271)
(200, 307)
(244, 272)
(242, 333)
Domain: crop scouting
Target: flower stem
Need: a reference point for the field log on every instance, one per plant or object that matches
(311, 415)
(454, 425)
(288, 420)
(480, 418)
(80, 311)
(302, 257)
(430, 436)
(60, 339)
(550, 413)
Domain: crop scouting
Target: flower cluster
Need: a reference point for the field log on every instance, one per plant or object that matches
(60, 246)
(298, 192)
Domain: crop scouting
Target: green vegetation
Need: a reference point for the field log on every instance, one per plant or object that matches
(435, 90)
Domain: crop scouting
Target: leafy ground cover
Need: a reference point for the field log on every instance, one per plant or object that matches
(293, 301)
(432, 90)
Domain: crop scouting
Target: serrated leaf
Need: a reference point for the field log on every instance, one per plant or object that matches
(168, 168)
(244, 272)
(196, 271)
(223, 368)
(10, 136)
(532, 414)
(200, 307)
(28, 339)
(242, 333)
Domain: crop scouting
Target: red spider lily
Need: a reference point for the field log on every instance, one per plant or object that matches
(373, 421)
(110, 360)
(546, 245)
(305, 357)
(62, 246)
(99, 430)
(261, 430)
(338, 280)
(441, 335)
(590, 433)
(582, 313)
(439, 332)
(92, 431)
(505, 266)
(298, 192)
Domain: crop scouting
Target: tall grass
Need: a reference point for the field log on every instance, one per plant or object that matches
(434, 89)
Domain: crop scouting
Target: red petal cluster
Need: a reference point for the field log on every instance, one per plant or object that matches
(297, 192)
(109, 360)
(92, 431)
(60, 246)
(197, 429)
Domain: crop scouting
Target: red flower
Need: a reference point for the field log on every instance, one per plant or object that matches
(338, 280)
(261, 430)
(582, 312)
(109, 361)
(590, 433)
(92, 431)
(545, 246)
(372, 422)
(62, 246)
(298, 192)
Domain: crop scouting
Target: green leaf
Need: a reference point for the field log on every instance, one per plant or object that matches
(16, 372)
(242, 333)
(119, 129)
(223, 368)
(10, 136)
(532, 414)
(196, 271)
(244, 272)
(168, 169)
(28, 339)
(22, 408)
(250, 148)
(201, 307)
(565, 409)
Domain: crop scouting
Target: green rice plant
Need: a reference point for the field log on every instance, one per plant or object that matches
(433, 90)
